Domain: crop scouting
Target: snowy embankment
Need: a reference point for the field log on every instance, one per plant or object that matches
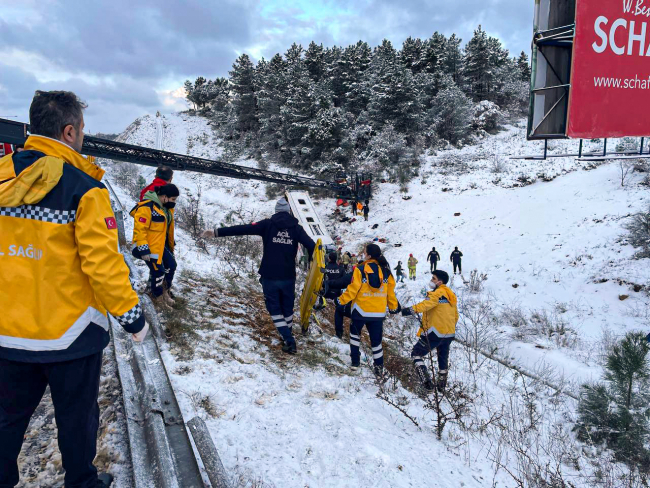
(304, 420)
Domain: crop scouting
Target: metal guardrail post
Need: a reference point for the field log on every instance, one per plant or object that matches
(121, 234)
(209, 455)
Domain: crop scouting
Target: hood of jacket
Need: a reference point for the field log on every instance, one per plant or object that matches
(284, 220)
(446, 291)
(153, 196)
(36, 181)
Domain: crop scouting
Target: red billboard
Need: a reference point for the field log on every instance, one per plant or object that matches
(610, 73)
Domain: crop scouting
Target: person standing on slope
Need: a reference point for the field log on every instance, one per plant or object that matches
(345, 261)
(281, 235)
(164, 175)
(61, 275)
(371, 292)
(366, 211)
(334, 272)
(433, 259)
(438, 328)
(399, 271)
(455, 258)
(153, 240)
(412, 263)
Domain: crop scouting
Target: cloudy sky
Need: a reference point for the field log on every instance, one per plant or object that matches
(126, 58)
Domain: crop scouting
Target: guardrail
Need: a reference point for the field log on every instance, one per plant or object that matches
(161, 451)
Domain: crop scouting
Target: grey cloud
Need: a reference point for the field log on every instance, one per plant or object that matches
(145, 39)
(111, 106)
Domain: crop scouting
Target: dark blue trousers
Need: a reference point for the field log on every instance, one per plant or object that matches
(339, 314)
(74, 386)
(375, 330)
(279, 296)
(164, 272)
(429, 342)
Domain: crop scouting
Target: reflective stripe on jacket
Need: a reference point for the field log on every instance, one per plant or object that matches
(371, 291)
(60, 268)
(439, 312)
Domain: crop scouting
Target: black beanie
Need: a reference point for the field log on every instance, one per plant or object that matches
(333, 256)
(169, 190)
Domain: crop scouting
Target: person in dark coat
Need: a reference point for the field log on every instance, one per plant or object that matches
(281, 235)
(366, 211)
(399, 272)
(337, 281)
(455, 258)
(333, 271)
(433, 259)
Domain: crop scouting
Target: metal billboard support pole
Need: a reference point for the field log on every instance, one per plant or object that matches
(580, 149)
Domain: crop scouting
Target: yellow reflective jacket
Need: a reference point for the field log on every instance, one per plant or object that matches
(412, 262)
(371, 291)
(439, 312)
(151, 231)
(60, 268)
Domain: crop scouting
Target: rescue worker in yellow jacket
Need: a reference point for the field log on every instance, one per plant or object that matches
(60, 274)
(153, 239)
(371, 292)
(438, 328)
(412, 263)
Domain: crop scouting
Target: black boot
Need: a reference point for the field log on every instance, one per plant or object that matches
(425, 379)
(289, 347)
(441, 382)
(380, 374)
(104, 480)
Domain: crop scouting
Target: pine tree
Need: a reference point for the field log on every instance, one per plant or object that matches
(394, 97)
(412, 54)
(315, 61)
(617, 412)
(433, 54)
(189, 92)
(245, 102)
(272, 91)
(476, 65)
(524, 67)
(453, 58)
(357, 89)
(451, 114)
(300, 106)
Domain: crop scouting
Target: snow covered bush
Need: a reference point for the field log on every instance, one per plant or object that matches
(639, 233)
(452, 112)
(487, 116)
(387, 148)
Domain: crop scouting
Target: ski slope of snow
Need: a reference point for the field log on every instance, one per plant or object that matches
(305, 420)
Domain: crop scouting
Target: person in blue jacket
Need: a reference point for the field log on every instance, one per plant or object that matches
(281, 235)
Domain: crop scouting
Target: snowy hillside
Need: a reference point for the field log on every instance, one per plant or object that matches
(548, 237)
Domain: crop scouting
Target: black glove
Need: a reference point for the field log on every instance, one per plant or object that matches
(397, 310)
(326, 287)
(407, 312)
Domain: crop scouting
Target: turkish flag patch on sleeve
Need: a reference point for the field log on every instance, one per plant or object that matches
(143, 220)
(110, 222)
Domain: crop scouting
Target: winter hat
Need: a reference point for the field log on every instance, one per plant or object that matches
(168, 190)
(410, 255)
(332, 256)
(282, 206)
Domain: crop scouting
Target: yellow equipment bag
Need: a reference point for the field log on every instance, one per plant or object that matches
(313, 285)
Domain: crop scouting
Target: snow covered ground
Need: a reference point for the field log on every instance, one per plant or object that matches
(551, 247)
